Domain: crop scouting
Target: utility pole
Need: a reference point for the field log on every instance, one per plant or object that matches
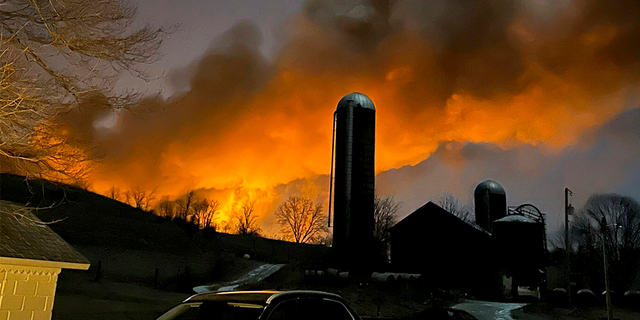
(567, 211)
(606, 272)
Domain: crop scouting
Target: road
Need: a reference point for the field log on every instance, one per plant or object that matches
(484, 310)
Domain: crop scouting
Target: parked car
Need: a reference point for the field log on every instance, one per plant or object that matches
(443, 314)
(262, 305)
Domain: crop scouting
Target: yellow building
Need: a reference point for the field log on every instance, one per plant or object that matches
(31, 257)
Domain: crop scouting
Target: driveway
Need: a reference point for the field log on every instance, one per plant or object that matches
(253, 276)
(485, 310)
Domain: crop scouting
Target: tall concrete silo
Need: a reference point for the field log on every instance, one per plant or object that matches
(490, 202)
(354, 184)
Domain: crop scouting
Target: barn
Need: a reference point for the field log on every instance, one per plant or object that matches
(445, 249)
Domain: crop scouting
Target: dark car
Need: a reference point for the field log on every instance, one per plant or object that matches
(272, 305)
(443, 314)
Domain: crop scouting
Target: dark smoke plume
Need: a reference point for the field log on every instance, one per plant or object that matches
(507, 74)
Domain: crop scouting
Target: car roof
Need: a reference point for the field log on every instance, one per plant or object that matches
(252, 297)
(262, 298)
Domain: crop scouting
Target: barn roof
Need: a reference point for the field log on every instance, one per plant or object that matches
(431, 212)
(25, 239)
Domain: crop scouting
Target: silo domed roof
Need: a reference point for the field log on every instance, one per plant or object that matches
(358, 99)
(491, 186)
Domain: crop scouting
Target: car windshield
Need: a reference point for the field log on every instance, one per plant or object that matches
(213, 311)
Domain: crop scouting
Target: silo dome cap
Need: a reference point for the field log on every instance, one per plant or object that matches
(490, 186)
(515, 218)
(357, 99)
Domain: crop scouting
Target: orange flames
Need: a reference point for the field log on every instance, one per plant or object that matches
(248, 128)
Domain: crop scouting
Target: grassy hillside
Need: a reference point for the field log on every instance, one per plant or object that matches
(130, 244)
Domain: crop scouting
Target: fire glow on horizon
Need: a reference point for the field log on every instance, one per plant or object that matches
(506, 74)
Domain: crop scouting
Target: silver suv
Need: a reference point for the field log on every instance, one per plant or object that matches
(254, 305)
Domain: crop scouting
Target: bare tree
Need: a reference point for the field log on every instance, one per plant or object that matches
(55, 56)
(385, 210)
(454, 206)
(114, 193)
(166, 208)
(301, 221)
(180, 212)
(140, 198)
(247, 221)
(150, 197)
(620, 233)
(204, 211)
(127, 197)
(209, 215)
(184, 205)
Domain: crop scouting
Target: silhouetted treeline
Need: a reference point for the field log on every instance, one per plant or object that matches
(611, 218)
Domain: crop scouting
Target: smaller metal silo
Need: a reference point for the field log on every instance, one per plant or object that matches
(519, 247)
(490, 203)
